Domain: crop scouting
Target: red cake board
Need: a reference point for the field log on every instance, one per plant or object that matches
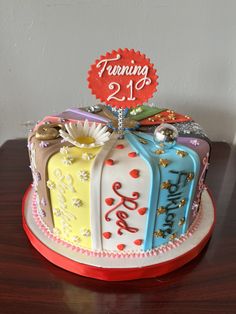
(43, 246)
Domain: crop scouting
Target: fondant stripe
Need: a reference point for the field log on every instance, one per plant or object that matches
(42, 158)
(81, 114)
(158, 175)
(69, 186)
(169, 223)
(196, 166)
(95, 192)
(152, 162)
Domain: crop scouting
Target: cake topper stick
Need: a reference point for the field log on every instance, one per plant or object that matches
(122, 79)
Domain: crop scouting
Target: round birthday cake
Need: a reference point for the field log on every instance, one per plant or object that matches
(106, 201)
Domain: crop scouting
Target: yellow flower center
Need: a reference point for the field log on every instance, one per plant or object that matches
(85, 140)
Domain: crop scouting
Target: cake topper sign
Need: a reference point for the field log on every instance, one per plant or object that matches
(123, 78)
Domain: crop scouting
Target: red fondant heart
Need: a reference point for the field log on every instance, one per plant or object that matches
(142, 211)
(106, 235)
(134, 173)
(138, 242)
(120, 146)
(109, 201)
(120, 247)
(132, 154)
(109, 162)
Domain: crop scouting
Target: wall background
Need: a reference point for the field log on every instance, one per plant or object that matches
(47, 46)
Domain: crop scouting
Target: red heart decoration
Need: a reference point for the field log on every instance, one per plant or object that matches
(109, 162)
(120, 247)
(134, 173)
(138, 242)
(142, 211)
(120, 146)
(109, 201)
(106, 235)
(132, 154)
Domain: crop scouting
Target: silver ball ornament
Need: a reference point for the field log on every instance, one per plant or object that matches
(165, 136)
(94, 109)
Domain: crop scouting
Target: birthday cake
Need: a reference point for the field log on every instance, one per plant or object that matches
(113, 191)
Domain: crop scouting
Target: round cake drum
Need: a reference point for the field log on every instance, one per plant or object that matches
(104, 267)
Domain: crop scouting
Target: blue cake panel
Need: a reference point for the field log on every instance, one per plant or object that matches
(170, 206)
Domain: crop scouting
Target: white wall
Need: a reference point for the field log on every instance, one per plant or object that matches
(47, 46)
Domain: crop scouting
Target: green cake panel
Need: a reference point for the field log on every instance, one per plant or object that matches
(146, 112)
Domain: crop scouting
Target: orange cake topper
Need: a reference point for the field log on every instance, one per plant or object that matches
(123, 78)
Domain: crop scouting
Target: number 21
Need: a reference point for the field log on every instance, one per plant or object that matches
(116, 86)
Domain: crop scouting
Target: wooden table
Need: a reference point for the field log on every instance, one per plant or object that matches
(31, 284)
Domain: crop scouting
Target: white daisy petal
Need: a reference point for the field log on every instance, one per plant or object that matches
(65, 135)
(76, 131)
(98, 128)
(69, 129)
(79, 128)
(75, 143)
(103, 130)
(62, 132)
(92, 128)
(73, 129)
(86, 127)
(106, 135)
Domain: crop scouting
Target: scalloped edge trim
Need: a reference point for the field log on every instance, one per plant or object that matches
(120, 50)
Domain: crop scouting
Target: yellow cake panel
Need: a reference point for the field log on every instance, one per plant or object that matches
(69, 185)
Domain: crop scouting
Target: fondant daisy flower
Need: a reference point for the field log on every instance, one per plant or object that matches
(85, 232)
(195, 142)
(83, 175)
(56, 212)
(194, 209)
(51, 185)
(56, 232)
(87, 156)
(43, 202)
(76, 239)
(41, 212)
(67, 160)
(43, 144)
(76, 202)
(64, 150)
(135, 111)
(84, 135)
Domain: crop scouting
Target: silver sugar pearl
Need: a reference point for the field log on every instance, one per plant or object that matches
(165, 136)
(94, 109)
